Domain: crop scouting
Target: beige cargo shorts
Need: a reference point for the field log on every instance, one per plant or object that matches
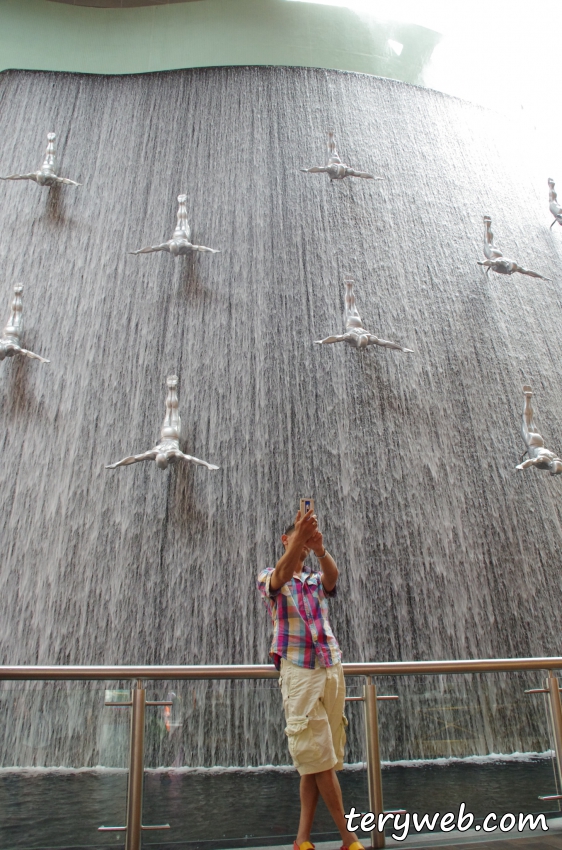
(314, 702)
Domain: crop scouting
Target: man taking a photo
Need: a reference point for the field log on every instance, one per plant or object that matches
(307, 654)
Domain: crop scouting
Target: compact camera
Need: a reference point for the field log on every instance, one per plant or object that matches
(306, 505)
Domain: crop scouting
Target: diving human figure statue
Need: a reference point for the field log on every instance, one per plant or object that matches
(46, 176)
(355, 334)
(168, 449)
(554, 206)
(495, 259)
(336, 169)
(180, 243)
(10, 341)
(538, 455)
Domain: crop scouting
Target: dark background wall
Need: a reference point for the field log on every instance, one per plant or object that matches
(445, 550)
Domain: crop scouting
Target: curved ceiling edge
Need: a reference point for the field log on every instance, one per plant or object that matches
(57, 35)
(120, 4)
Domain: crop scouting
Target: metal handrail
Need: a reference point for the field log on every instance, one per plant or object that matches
(268, 671)
(134, 826)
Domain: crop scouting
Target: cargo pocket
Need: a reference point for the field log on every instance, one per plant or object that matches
(340, 738)
(303, 746)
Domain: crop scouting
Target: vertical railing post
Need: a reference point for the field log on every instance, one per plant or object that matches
(134, 826)
(553, 687)
(373, 760)
(136, 769)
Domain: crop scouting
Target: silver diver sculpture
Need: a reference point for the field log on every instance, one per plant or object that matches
(168, 449)
(495, 259)
(355, 334)
(46, 175)
(538, 455)
(180, 243)
(10, 341)
(554, 206)
(336, 169)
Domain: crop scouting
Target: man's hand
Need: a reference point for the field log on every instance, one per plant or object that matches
(305, 528)
(315, 543)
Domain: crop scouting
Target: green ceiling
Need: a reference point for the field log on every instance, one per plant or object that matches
(55, 36)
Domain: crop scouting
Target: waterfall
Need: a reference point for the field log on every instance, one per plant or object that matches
(445, 550)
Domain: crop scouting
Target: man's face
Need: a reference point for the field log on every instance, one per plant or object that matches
(285, 539)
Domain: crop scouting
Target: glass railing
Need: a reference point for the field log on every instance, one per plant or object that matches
(477, 739)
(63, 764)
(193, 756)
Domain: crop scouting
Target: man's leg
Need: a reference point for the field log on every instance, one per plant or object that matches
(309, 799)
(301, 691)
(306, 695)
(333, 700)
(329, 787)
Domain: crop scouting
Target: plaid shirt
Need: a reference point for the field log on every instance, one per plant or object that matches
(301, 630)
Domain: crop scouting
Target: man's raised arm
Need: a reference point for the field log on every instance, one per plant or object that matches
(328, 566)
(285, 567)
(330, 571)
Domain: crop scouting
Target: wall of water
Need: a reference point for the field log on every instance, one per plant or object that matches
(445, 550)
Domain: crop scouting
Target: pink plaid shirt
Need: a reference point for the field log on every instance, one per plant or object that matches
(301, 629)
